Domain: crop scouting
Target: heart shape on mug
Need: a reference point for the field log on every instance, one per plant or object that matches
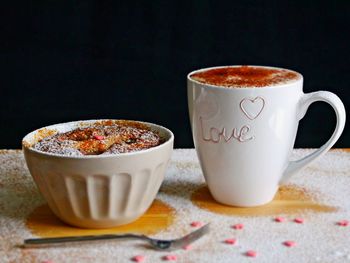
(252, 107)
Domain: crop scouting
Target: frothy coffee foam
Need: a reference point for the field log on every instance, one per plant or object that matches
(245, 76)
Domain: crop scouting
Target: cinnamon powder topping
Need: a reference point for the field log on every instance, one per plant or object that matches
(245, 76)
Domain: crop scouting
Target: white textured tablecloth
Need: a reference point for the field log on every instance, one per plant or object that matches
(319, 239)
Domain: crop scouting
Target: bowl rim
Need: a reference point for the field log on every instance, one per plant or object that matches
(169, 140)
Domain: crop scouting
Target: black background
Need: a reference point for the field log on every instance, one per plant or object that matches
(70, 60)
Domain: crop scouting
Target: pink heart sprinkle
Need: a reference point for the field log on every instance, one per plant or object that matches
(138, 258)
(238, 226)
(187, 247)
(196, 224)
(299, 220)
(251, 253)
(99, 137)
(230, 241)
(289, 243)
(47, 261)
(170, 257)
(280, 219)
(343, 223)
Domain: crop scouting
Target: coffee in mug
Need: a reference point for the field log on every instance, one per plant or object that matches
(244, 122)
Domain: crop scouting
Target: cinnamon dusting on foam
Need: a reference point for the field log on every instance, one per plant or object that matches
(245, 76)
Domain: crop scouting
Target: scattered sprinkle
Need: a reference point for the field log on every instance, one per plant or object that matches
(280, 219)
(196, 224)
(99, 137)
(47, 261)
(251, 253)
(299, 220)
(170, 257)
(343, 223)
(138, 258)
(231, 241)
(289, 243)
(187, 247)
(238, 226)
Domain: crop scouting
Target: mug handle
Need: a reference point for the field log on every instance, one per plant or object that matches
(304, 103)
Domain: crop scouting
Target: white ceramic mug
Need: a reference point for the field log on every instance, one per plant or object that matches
(244, 136)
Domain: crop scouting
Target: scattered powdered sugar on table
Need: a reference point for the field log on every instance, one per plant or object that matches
(318, 239)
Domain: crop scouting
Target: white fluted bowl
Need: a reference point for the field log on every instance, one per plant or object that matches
(98, 191)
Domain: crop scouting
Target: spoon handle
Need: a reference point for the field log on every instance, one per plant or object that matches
(45, 242)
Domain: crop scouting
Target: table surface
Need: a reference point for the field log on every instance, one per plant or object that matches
(319, 194)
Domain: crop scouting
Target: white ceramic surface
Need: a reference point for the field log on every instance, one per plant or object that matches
(244, 137)
(98, 191)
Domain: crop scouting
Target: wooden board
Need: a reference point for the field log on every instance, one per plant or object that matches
(290, 199)
(42, 222)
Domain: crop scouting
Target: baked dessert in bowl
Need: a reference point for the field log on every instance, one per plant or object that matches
(98, 173)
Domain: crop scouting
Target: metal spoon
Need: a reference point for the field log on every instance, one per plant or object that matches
(155, 243)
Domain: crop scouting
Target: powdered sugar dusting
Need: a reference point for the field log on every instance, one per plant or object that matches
(97, 139)
(319, 239)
